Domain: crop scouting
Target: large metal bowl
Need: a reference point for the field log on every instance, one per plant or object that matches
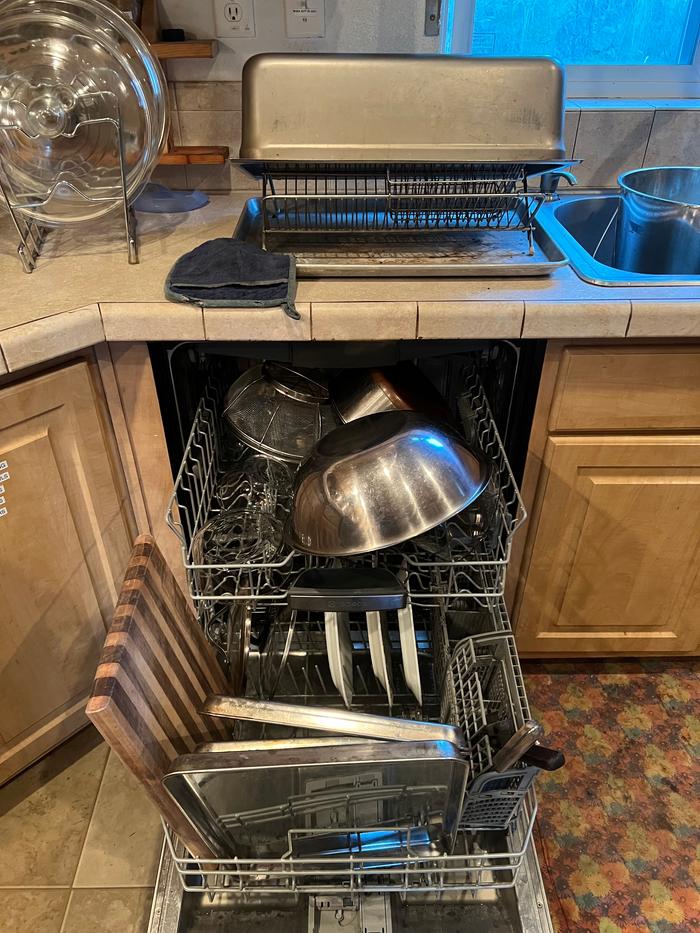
(381, 480)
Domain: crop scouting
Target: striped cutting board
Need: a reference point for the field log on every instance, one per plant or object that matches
(156, 669)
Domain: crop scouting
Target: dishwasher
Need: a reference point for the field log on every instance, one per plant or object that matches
(438, 181)
(468, 666)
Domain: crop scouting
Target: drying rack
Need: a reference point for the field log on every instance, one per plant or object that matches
(406, 200)
(32, 235)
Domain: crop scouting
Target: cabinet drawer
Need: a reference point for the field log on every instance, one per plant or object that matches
(627, 389)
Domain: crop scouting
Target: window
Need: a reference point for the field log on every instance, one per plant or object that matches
(622, 47)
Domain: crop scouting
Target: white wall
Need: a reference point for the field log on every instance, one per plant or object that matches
(351, 26)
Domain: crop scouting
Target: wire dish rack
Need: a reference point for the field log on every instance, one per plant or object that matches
(443, 567)
(478, 863)
(481, 685)
(401, 199)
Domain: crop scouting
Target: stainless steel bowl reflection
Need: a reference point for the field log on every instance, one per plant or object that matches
(381, 480)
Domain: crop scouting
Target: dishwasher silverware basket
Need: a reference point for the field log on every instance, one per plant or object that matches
(489, 699)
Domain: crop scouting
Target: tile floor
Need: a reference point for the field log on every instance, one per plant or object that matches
(79, 845)
(617, 827)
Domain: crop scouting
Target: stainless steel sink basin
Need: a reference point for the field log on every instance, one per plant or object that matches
(584, 228)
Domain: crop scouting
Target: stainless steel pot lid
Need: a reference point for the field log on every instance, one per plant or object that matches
(68, 68)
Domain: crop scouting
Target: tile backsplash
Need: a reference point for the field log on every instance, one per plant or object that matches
(610, 136)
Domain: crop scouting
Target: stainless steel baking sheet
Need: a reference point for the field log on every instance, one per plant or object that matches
(247, 804)
(332, 719)
(260, 745)
(478, 253)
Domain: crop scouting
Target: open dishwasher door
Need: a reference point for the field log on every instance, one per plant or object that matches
(465, 662)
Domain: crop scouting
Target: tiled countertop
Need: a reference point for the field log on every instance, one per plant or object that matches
(81, 294)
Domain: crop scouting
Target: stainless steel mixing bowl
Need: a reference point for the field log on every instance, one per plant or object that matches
(381, 480)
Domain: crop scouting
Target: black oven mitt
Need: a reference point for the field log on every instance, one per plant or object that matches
(226, 273)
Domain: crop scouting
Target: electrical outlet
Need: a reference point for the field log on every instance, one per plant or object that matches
(305, 19)
(234, 20)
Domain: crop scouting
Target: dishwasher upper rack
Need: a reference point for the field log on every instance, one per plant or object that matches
(404, 199)
(440, 567)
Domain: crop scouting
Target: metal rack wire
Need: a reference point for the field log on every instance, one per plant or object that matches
(397, 199)
(443, 567)
(498, 814)
(478, 863)
(33, 234)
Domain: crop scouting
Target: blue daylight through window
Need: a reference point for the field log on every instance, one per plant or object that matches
(589, 32)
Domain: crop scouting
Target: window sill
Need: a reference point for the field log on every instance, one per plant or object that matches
(613, 103)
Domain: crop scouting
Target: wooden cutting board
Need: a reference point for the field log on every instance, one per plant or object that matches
(155, 671)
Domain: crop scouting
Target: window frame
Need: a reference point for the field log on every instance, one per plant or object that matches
(629, 82)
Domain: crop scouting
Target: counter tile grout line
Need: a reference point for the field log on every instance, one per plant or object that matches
(522, 319)
(417, 319)
(311, 320)
(629, 319)
(65, 912)
(102, 322)
(35, 887)
(648, 142)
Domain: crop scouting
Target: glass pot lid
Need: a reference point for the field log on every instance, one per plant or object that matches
(69, 70)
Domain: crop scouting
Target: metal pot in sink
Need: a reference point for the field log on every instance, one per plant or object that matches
(658, 228)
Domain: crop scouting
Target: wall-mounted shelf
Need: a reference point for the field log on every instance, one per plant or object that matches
(195, 155)
(190, 48)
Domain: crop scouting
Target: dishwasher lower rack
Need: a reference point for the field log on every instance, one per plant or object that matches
(442, 566)
(480, 686)
(481, 861)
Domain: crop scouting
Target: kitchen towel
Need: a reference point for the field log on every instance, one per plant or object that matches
(226, 273)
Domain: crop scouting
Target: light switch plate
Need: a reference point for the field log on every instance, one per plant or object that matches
(305, 19)
(235, 19)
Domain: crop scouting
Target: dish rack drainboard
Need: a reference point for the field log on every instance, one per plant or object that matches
(402, 199)
(481, 685)
(443, 569)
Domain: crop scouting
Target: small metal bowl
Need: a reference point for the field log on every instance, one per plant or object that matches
(379, 481)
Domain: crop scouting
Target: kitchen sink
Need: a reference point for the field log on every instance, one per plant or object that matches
(584, 228)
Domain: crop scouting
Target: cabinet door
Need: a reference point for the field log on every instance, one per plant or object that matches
(615, 565)
(65, 540)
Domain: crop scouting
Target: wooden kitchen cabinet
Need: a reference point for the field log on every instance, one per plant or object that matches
(611, 564)
(65, 539)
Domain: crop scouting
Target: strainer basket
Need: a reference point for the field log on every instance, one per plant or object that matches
(278, 411)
